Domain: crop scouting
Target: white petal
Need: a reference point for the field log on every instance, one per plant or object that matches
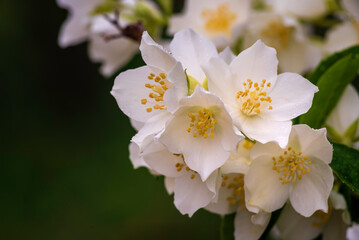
(269, 149)
(352, 6)
(169, 185)
(191, 194)
(155, 55)
(135, 157)
(113, 54)
(161, 160)
(290, 222)
(341, 37)
(346, 112)
(75, 28)
(238, 162)
(256, 63)
(265, 130)
(220, 80)
(311, 193)
(244, 228)
(227, 55)
(263, 189)
(353, 232)
(337, 200)
(152, 127)
(192, 50)
(129, 89)
(136, 124)
(179, 90)
(291, 97)
(299, 56)
(313, 143)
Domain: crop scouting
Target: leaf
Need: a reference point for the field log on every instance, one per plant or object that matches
(227, 227)
(345, 164)
(331, 76)
(330, 61)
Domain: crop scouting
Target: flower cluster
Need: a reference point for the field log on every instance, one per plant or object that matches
(218, 127)
(212, 114)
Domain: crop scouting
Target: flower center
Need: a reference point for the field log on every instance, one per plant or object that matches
(276, 34)
(254, 98)
(237, 184)
(202, 123)
(180, 165)
(219, 20)
(158, 85)
(291, 166)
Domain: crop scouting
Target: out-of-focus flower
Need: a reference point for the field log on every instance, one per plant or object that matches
(332, 225)
(260, 102)
(345, 34)
(299, 173)
(342, 123)
(306, 9)
(190, 192)
(201, 130)
(296, 53)
(353, 232)
(219, 20)
(112, 27)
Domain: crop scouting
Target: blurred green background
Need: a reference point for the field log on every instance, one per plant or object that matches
(64, 167)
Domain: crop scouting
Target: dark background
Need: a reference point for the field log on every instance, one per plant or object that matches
(64, 167)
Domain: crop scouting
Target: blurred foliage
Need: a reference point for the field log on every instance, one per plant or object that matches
(64, 169)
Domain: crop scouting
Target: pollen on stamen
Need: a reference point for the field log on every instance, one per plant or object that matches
(254, 97)
(291, 166)
(236, 186)
(158, 89)
(202, 123)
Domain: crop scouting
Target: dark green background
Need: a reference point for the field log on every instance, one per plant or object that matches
(64, 167)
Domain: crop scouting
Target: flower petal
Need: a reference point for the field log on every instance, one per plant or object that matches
(291, 97)
(313, 143)
(346, 112)
(263, 189)
(227, 55)
(244, 228)
(191, 194)
(135, 157)
(155, 55)
(161, 160)
(256, 63)
(192, 50)
(311, 193)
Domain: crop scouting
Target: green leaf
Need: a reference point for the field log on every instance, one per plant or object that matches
(331, 76)
(345, 164)
(105, 7)
(330, 61)
(227, 227)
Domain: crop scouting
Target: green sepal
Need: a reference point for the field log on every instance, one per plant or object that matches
(107, 6)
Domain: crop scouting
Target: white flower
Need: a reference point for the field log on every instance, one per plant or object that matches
(261, 103)
(147, 93)
(300, 173)
(345, 34)
(201, 130)
(76, 27)
(230, 196)
(190, 193)
(307, 9)
(219, 20)
(332, 225)
(295, 52)
(342, 122)
(353, 232)
(342, 36)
